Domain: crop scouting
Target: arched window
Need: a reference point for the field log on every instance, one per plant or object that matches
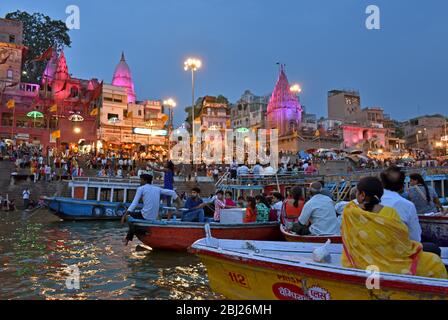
(9, 74)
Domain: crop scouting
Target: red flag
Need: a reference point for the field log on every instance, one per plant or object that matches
(45, 56)
(98, 91)
(3, 61)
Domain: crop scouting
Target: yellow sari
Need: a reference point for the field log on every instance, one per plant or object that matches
(382, 240)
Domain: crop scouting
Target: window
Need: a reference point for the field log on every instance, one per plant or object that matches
(112, 115)
(139, 113)
(9, 74)
(73, 92)
(12, 38)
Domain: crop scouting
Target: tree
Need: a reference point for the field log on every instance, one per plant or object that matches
(39, 33)
(197, 110)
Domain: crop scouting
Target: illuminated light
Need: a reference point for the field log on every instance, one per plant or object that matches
(76, 118)
(439, 144)
(242, 130)
(150, 132)
(77, 130)
(170, 103)
(192, 64)
(380, 151)
(295, 88)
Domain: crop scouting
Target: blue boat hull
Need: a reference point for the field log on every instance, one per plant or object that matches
(74, 209)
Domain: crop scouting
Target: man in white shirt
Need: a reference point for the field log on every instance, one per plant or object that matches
(393, 182)
(26, 198)
(243, 170)
(151, 202)
(320, 211)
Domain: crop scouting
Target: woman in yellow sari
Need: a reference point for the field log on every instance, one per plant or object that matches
(374, 235)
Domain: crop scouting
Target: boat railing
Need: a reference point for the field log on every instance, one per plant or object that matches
(102, 180)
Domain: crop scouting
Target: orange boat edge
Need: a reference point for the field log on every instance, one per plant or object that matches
(179, 236)
(258, 270)
(292, 237)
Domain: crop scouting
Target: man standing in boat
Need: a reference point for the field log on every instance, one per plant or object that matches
(151, 202)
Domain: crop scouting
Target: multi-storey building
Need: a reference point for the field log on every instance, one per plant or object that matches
(343, 104)
(426, 133)
(249, 111)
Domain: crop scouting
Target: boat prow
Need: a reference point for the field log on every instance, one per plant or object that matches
(259, 270)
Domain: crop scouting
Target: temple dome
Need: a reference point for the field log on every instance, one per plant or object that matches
(123, 78)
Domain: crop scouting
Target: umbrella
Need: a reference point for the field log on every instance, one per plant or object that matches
(357, 152)
(35, 115)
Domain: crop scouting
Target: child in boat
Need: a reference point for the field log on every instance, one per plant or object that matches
(263, 209)
(374, 234)
(251, 210)
(241, 202)
(229, 202)
(219, 205)
(292, 208)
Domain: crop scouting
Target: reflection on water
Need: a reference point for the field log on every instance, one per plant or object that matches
(36, 249)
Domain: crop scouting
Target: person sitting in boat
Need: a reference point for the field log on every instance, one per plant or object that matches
(251, 210)
(263, 209)
(277, 203)
(424, 197)
(151, 202)
(241, 203)
(374, 234)
(229, 202)
(292, 208)
(195, 207)
(393, 182)
(219, 205)
(318, 216)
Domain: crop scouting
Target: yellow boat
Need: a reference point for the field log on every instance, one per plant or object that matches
(258, 270)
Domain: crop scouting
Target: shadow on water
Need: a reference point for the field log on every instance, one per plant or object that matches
(36, 251)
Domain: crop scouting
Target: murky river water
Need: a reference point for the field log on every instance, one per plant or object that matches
(37, 248)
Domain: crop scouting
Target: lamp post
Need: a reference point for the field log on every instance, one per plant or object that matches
(170, 103)
(193, 65)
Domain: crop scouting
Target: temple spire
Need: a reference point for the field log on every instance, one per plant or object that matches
(123, 78)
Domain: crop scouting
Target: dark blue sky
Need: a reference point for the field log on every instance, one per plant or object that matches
(324, 43)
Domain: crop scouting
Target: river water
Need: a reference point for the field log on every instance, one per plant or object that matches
(37, 251)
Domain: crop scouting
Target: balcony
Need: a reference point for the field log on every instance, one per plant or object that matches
(24, 89)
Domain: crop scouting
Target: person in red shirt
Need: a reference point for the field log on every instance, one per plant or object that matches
(229, 202)
(251, 210)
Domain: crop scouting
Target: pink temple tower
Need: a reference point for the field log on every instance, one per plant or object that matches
(284, 111)
(123, 78)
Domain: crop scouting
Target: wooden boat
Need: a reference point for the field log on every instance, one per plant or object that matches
(293, 237)
(94, 199)
(259, 270)
(177, 235)
(435, 229)
(74, 209)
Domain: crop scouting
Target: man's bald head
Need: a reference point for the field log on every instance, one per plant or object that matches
(315, 188)
(393, 179)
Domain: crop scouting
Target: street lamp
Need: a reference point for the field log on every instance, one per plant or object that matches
(295, 88)
(170, 103)
(77, 130)
(193, 65)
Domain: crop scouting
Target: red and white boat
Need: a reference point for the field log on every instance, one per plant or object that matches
(293, 237)
(177, 235)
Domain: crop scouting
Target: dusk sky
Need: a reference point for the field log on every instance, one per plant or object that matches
(324, 43)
